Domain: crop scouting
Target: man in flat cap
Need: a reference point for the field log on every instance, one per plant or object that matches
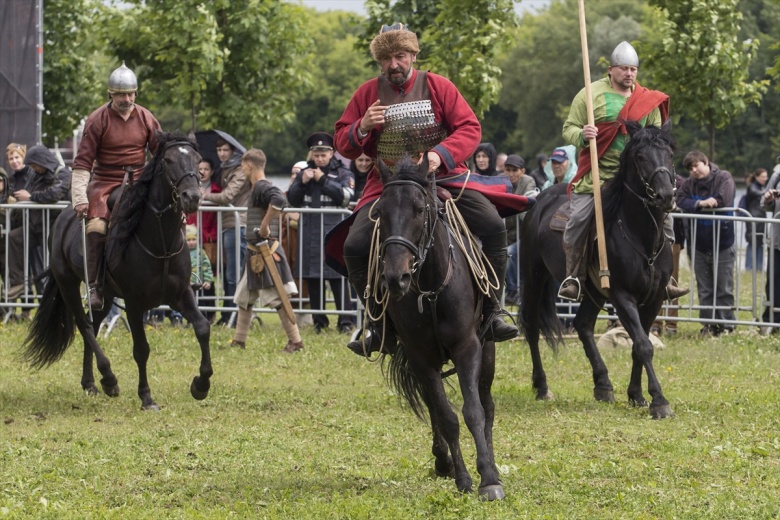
(445, 128)
(323, 183)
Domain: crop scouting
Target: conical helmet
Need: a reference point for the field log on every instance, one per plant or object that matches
(624, 54)
(122, 80)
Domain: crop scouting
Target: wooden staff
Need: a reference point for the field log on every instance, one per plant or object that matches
(594, 154)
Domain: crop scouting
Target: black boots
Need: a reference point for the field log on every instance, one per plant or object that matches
(494, 247)
(95, 251)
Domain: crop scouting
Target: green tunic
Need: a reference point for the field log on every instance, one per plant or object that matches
(607, 104)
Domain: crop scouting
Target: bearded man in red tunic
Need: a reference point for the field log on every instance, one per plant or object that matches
(378, 121)
(117, 137)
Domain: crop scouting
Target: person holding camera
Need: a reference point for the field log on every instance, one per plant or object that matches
(324, 183)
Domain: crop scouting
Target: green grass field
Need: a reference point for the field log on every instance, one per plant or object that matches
(320, 435)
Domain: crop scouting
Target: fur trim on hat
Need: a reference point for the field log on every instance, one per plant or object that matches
(385, 44)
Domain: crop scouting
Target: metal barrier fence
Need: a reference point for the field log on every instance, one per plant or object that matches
(750, 298)
(36, 260)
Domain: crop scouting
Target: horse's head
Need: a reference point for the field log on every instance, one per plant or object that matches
(180, 172)
(649, 154)
(407, 214)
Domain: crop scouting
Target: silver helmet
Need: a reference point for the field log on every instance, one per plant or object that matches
(122, 80)
(624, 54)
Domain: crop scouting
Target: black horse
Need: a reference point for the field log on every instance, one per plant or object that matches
(635, 204)
(148, 264)
(435, 307)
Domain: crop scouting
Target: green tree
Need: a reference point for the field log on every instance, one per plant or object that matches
(701, 62)
(543, 70)
(459, 39)
(241, 65)
(73, 61)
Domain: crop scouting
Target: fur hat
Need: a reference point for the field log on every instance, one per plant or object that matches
(393, 38)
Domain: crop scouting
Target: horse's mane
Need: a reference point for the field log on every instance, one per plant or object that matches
(407, 169)
(646, 136)
(128, 210)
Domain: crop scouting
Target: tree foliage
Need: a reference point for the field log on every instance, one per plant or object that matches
(701, 63)
(241, 65)
(72, 65)
(459, 39)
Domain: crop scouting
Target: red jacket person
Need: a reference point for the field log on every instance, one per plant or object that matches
(378, 121)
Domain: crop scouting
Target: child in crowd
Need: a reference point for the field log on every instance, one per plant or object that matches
(202, 275)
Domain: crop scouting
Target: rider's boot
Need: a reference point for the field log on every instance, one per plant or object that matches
(571, 288)
(357, 266)
(673, 291)
(95, 252)
(494, 247)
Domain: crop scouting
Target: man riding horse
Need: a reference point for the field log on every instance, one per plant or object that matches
(409, 112)
(116, 138)
(616, 99)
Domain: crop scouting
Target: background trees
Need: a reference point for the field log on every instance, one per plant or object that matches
(273, 72)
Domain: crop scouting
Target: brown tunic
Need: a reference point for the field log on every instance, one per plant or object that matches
(110, 146)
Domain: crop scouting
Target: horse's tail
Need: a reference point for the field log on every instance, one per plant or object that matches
(400, 377)
(546, 314)
(52, 329)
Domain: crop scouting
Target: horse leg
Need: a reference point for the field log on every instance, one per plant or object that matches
(443, 465)
(490, 492)
(532, 292)
(637, 323)
(468, 362)
(141, 356)
(444, 422)
(88, 331)
(584, 322)
(199, 388)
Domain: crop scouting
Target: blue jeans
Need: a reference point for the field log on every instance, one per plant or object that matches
(512, 269)
(231, 272)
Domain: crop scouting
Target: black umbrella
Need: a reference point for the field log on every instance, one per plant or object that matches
(207, 143)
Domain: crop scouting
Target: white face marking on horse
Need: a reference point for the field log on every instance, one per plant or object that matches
(184, 150)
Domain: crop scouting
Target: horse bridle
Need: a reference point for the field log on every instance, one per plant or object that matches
(173, 206)
(419, 250)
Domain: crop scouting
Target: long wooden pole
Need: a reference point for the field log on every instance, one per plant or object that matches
(594, 155)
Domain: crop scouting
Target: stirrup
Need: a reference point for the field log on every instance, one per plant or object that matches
(565, 285)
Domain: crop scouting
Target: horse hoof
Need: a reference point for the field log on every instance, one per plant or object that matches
(661, 412)
(637, 403)
(445, 473)
(605, 396)
(111, 391)
(464, 485)
(151, 407)
(91, 391)
(196, 393)
(548, 396)
(492, 492)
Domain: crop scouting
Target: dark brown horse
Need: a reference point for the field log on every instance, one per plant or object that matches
(148, 264)
(435, 307)
(635, 204)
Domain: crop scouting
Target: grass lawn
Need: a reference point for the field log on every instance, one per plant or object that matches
(319, 434)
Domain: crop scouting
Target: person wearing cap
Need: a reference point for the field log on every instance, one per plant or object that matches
(117, 137)
(234, 190)
(616, 98)
(377, 121)
(522, 184)
(562, 166)
(325, 183)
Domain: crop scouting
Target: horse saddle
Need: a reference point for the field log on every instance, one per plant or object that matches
(561, 217)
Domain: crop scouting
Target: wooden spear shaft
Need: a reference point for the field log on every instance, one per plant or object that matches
(594, 155)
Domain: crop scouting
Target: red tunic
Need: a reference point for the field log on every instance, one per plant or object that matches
(463, 129)
(109, 146)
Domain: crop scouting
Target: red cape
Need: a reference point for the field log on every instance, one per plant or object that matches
(639, 105)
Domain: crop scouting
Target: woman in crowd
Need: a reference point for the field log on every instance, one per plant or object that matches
(756, 185)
